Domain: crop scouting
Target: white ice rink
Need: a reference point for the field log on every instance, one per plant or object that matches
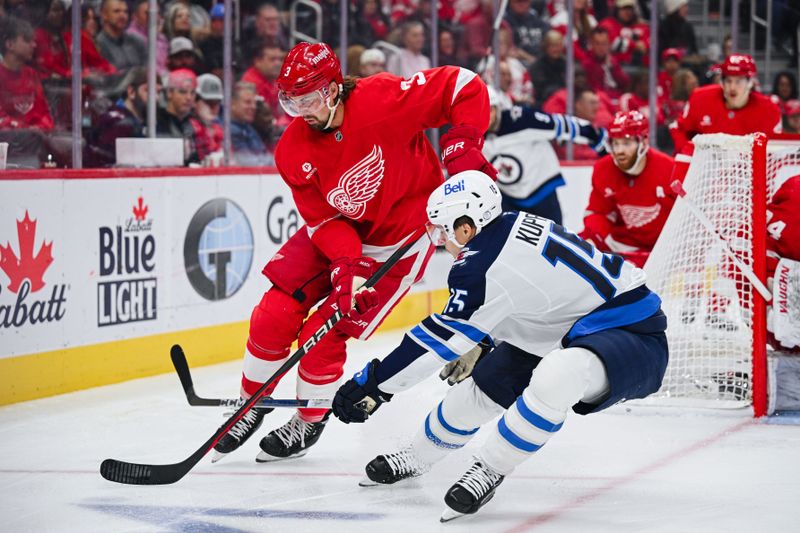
(627, 469)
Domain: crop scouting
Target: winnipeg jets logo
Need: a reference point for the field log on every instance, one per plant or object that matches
(359, 185)
(465, 254)
(509, 168)
(636, 216)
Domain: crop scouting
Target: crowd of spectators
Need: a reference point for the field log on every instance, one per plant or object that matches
(611, 44)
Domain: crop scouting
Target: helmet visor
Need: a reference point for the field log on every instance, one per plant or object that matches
(307, 104)
(437, 234)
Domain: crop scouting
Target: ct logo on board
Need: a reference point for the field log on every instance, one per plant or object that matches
(218, 249)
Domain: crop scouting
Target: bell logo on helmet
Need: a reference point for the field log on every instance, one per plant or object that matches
(452, 189)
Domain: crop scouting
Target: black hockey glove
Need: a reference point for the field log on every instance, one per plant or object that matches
(359, 397)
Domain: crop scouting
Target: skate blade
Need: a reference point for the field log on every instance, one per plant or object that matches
(217, 456)
(450, 514)
(264, 457)
(367, 482)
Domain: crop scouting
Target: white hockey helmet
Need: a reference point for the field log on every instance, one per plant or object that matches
(470, 193)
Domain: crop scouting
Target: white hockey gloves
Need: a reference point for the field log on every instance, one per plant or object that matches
(460, 369)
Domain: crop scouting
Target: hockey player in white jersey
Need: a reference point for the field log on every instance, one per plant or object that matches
(535, 289)
(518, 145)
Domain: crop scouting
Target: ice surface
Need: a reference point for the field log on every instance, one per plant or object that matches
(631, 468)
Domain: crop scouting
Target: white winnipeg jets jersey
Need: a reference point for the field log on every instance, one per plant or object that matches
(521, 152)
(527, 281)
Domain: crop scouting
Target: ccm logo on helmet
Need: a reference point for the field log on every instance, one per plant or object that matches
(451, 189)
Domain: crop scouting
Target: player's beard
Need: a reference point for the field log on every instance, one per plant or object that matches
(315, 123)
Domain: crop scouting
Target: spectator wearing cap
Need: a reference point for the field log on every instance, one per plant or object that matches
(121, 49)
(139, 29)
(670, 63)
(212, 46)
(208, 130)
(373, 61)
(248, 148)
(528, 30)
(182, 54)
(549, 73)
(675, 30)
(791, 119)
(263, 73)
(174, 119)
(125, 119)
(629, 34)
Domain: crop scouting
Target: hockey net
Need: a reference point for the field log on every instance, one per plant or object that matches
(717, 321)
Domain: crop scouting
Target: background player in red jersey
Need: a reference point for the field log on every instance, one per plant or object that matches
(733, 107)
(631, 197)
(361, 170)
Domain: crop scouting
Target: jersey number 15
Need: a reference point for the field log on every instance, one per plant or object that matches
(555, 250)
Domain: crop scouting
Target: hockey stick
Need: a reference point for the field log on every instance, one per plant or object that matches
(762, 289)
(185, 375)
(144, 474)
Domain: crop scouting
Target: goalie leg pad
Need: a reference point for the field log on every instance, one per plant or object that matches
(274, 326)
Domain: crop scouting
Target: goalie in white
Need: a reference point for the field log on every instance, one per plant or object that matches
(527, 281)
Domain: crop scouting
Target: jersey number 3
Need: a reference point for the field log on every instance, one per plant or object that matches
(418, 78)
(555, 250)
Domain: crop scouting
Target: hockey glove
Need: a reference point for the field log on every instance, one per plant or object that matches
(347, 275)
(360, 396)
(461, 150)
(580, 131)
(460, 369)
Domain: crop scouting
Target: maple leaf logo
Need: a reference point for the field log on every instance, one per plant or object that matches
(27, 266)
(140, 211)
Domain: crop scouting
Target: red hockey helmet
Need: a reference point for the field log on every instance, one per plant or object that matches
(308, 67)
(629, 124)
(738, 65)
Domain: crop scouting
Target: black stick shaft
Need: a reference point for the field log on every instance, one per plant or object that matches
(141, 474)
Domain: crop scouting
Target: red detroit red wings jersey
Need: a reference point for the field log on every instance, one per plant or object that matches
(627, 212)
(378, 168)
(706, 113)
(783, 224)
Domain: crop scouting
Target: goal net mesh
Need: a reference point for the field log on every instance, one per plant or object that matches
(707, 300)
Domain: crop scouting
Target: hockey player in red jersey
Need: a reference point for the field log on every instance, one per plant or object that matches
(631, 197)
(360, 169)
(732, 107)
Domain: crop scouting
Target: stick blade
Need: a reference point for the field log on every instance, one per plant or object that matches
(138, 474)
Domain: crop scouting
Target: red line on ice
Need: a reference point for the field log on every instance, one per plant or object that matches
(580, 500)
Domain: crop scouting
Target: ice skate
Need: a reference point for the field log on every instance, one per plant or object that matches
(293, 439)
(240, 432)
(393, 467)
(474, 490)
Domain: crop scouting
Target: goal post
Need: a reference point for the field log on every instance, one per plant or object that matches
(717, 318)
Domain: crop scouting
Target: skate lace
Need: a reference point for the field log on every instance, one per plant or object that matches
(241, 427)
(479, 480)
(296, 429)
(402, 462)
